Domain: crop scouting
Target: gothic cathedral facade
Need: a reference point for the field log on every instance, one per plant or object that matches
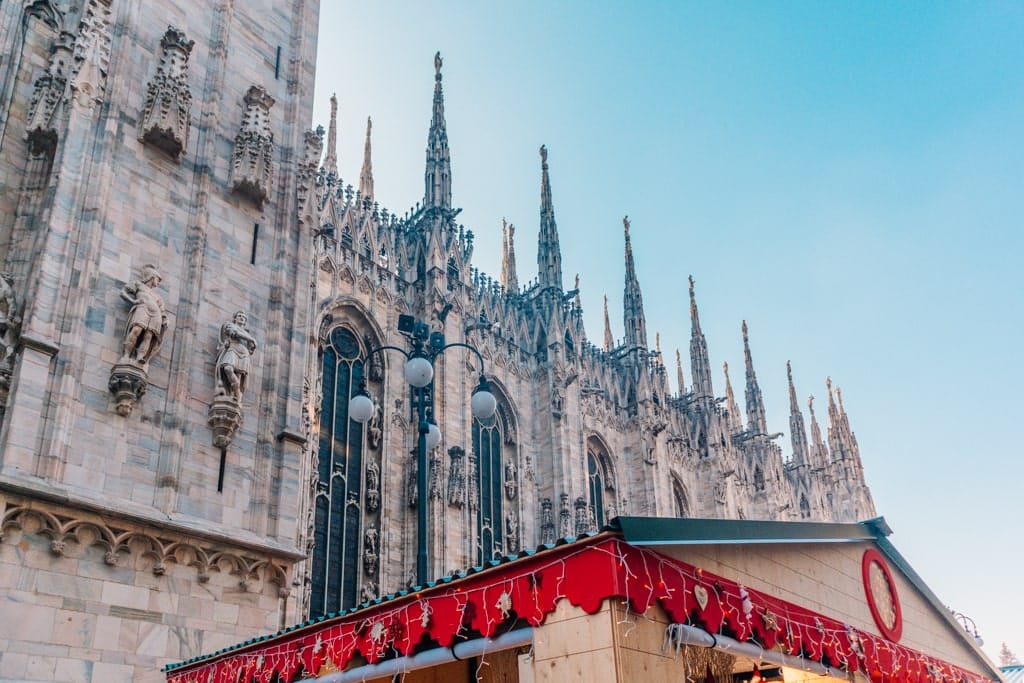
(190, 297)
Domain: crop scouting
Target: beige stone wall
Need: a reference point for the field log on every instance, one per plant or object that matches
(826, 578)
(74, 610)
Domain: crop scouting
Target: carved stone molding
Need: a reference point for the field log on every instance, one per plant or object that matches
(66, 529)
(168, 105)
(128, 384)
(41, 131)
(456, 477)
(92, 55)
(252, 159)
(306, 177)
(224, 419)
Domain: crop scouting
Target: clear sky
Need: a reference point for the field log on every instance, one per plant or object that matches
(847, 177)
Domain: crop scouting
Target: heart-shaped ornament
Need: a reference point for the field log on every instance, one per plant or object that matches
(701, 593)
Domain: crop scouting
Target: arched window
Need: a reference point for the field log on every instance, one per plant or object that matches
(600, 483)
(337, 522)
(758, 478)
(682, 503)
(805, 507)
(487, 444)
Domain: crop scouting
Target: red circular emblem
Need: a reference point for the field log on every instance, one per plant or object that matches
(880, 590)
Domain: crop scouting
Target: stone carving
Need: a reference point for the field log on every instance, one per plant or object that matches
(374, 430)
(456, 477)
(119, 541)
(252, 159)
(512, 532)
(372, 486)
(547, 522)
(511, 487)
(584, 516)
(564, 517)
(92, 55)
(371, 550)
(10, 324)
(143, 334)
(473, 494)
(368, 591)
(234, 357)
(234, 361)
(147, 320)
(305, 177)
(435, 475)
(168, 105)
(48, 92)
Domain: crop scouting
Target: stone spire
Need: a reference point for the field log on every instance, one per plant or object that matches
(700, 366)
(730, 402)
(331, 158)
(756, 422)
(841, 440)
(366, 175)
(509, 279)
(438, 176)
(680, 380)
(549, 254)
(818, 450)
(633, 303)
(609, 340)
(797, 432)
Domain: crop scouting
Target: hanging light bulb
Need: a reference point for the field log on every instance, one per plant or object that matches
(360, 407)
(482, 403)
(418, 371)
(433, 436)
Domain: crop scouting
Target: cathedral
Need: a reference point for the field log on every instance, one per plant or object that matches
(191, 297)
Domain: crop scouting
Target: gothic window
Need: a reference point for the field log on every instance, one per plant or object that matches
(570, 347)
(364, 246)
(346, 237)
(758, 478)
(805, 508)
(600, 483)
(337, 522)
(682, 503)
(487, 445)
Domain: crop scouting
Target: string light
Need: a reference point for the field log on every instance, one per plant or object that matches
(639, 577)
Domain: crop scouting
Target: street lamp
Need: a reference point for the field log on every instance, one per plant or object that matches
(968, 625)
(419, 374)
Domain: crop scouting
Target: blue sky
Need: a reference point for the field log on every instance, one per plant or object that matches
(847, 177)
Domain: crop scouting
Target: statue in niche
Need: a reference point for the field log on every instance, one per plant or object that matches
(234, 358)
(372, 486)
(512, 531)
(373, 429)
(147, 320)
(511, 488)
(9, 319)
(371, 548)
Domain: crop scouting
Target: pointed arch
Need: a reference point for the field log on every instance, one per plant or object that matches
(758, 478)
(601, 484)
(495, 473)
(680, 499)
(340, 513)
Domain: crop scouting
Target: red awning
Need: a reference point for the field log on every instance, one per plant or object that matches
(586, 573)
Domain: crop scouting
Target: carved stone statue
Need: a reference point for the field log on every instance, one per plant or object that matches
(372, 486)
(373, 430)
(511, 487)
(512, 532)
(234, 357)
(147, 320)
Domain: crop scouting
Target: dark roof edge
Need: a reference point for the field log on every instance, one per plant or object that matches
(894, 556)
(649, 531)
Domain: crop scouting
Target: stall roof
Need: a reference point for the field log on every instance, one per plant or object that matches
(615, 563)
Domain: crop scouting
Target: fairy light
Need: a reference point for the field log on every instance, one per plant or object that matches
(639, 577)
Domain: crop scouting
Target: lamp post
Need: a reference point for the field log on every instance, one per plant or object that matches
(968, 625)
(419, 374)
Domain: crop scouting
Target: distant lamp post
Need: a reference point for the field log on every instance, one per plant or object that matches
(419, 374)
(968, 625)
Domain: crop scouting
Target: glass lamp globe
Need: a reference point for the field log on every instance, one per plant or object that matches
(483, 404)
(360, 408)
(433, 437)
(418, 371)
